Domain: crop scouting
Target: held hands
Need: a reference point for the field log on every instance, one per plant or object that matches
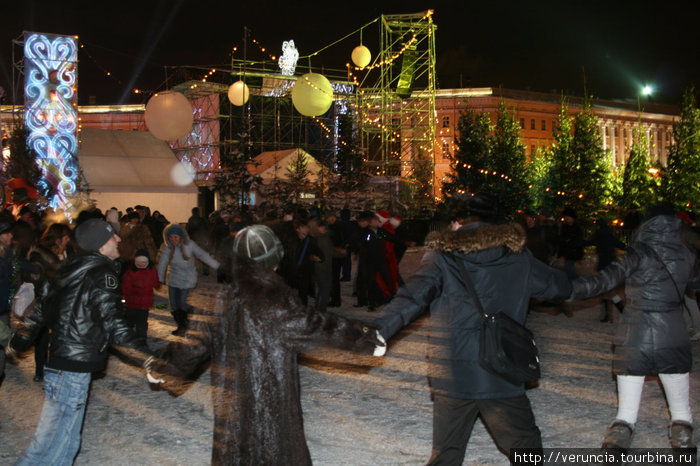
(372, 335)
(152, 379)
(147, 365)
(380, 349)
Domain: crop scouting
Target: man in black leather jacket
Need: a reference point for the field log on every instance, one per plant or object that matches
(84, 312)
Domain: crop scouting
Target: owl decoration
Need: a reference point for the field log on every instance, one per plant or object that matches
(288, 60)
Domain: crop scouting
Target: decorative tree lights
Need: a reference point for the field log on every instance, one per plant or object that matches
(51, 116)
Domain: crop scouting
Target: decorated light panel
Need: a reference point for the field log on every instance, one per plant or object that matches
(51, 114)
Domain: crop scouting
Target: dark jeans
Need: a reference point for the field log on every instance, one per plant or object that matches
(509, 420)
(178, 298)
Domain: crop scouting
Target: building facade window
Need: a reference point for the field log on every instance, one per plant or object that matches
(522, 123)
(544, 125)
(446, 149)
(532, 124)
(446, 122)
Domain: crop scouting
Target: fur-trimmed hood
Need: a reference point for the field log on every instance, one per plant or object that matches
(478, 237)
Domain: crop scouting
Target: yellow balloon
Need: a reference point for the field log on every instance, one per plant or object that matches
(312, 94)
(238, 93)
(169, 115)
(361, 56)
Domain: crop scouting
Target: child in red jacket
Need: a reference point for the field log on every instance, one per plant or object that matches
(138, 284)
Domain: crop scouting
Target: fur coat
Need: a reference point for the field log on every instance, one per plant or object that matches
(253, 338)
(505, 276)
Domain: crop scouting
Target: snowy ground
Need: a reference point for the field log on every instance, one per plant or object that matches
(358, 410)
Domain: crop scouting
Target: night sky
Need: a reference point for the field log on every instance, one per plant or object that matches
(541, 46)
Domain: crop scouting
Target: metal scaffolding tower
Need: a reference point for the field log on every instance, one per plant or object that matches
(397, 112)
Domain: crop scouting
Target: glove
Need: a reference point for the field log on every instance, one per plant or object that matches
(380, 350)
(222, 275)
(147, 365)
(152, 379)
(371, 335)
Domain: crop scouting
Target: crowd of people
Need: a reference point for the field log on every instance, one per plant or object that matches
(117, 260)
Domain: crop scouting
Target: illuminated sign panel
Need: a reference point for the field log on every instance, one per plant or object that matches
(51, 115)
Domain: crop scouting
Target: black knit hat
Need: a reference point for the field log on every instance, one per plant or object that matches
(5, 227)
(92, 234)
(661, 208)
(483, 205)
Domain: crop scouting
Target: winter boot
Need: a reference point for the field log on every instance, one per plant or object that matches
(618, 436)
(681, 434)
(181, 321)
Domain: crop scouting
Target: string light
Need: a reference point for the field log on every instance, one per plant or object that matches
(385, 62)
(98, 65)
(262, 49)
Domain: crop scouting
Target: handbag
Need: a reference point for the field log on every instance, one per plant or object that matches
(507, 348)
(23, 301)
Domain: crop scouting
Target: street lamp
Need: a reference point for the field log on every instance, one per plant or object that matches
(647, 90)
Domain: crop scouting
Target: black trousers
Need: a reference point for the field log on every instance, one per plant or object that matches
(41, 350)
(510, 421)
(138, 321)
(335, 284)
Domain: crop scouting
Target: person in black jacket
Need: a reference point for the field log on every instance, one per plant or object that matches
(84, 313)
(571, 243)
(301, 252)
(505, 276)
(652, 338)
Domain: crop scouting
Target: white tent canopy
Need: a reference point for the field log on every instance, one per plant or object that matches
(126, 168)
(273, 165)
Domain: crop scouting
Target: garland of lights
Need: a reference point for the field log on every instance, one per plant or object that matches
(392, 58)
(51, 115)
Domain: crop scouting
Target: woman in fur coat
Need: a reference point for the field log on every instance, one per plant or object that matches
(252, 338)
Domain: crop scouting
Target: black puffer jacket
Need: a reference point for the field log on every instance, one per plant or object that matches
(84, 313)
(652, 337)
(505, 276)
(253, 338)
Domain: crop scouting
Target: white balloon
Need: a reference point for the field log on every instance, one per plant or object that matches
(169, 115)
(361, 56)
(238, 93)
(182, 173)
(312, 94)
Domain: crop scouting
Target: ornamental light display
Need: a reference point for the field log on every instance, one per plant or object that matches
(51, 115)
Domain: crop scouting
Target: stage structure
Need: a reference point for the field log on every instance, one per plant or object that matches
(50, 112)
(267, 121)
(389, 103)
(397, 108)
